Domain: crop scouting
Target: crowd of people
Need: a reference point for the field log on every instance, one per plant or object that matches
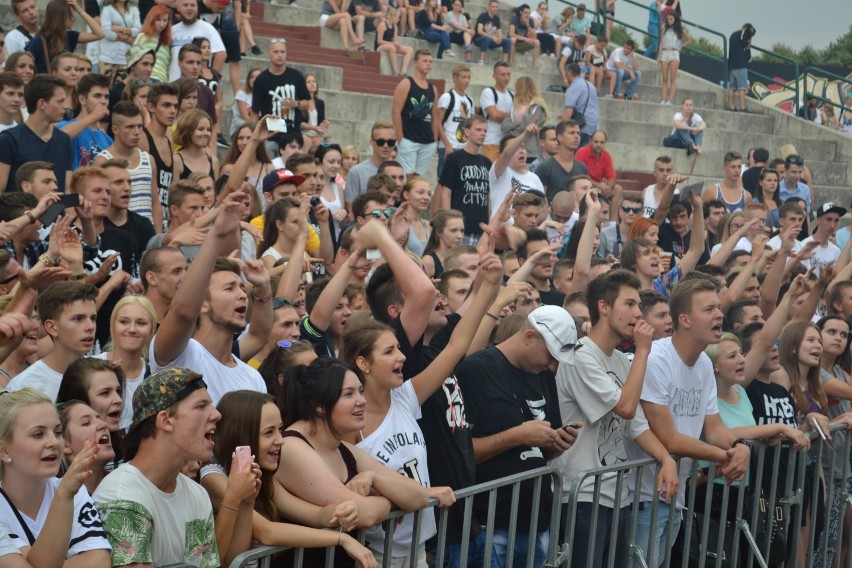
(202, 355)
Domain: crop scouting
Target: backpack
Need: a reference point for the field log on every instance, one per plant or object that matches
(494, 92)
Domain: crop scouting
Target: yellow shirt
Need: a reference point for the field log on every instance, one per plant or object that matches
(313, 244)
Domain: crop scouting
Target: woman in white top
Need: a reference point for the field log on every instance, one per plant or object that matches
(31, 448)
(329, 157)
(132, 326)
(689, 127)
(258, 167)
(98, 383)
(418, 194)
(460, 31)
(121, 24)
(674, 39)
(393, 404)
(242, 102)
(314, 122)
(83, 428)
(281, 230)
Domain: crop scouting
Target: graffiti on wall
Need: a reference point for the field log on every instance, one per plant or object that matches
(775, 95)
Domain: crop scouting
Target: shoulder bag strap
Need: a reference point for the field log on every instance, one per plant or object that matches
(18, 516)
(46, 56)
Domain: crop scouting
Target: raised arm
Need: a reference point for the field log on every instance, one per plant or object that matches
(668, 196)
(583, 262)
(511, 147)
(433, 376)
(696, 241)
(177, 329)
(260, 326)
(238, 173)
(738, 286)
(771, 330)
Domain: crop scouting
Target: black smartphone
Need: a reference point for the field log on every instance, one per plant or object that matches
(49, 216)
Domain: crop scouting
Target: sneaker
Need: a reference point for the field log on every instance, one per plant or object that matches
(551, 55)
(663, 102)
(449, 53)
(221, 142)
(607, 96)
(256, 50)
(482, 62)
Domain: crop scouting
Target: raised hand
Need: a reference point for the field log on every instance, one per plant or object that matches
(643, 335)
(13, 327)
(78, 472)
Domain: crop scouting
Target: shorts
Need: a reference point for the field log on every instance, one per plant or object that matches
(738, 79)
(231, 38)
(523, 47)
(323, 19)
(667, 55)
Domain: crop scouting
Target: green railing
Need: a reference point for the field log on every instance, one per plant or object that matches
(771, 80)
(723, 60)
(840, 106)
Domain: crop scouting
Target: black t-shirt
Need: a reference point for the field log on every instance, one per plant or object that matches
(416, 356)
(489, 25)
(270, 91)
(113, 241)
(552, 297)
(466, 176)
(139, 229)
(671, 242)
(750, 178)
(773, 404)
(739, 50)
(499, 396)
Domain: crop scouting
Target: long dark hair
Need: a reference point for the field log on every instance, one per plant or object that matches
(240, 426)
(776, 197)
(844, 360)
(309, 389)
(276, 212)
(234, 152)
(53, 27)
(677, 26)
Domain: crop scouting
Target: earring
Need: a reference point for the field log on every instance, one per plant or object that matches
(366, 371)
(9, 459)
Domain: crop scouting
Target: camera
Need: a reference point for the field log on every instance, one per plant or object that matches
(315, 201)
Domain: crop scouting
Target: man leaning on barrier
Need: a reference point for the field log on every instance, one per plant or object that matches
(511, 405)
(602, 389)
(679, 401)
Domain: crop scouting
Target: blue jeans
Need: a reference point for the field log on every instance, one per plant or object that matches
(484, 43)
(654, 41)
(475, 553)
(644, 531)
(585, 139)
(439, 37)
(599, 544)
(689, 138)
(631, 88)
(500, 547)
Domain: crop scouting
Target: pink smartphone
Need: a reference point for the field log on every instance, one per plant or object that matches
(244, 460)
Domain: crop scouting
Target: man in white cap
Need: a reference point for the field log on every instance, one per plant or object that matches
(601, 390)
(512, 407)
(826, 252)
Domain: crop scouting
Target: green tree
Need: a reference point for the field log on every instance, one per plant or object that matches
(707, 47)
(838, 52)
(620, 34)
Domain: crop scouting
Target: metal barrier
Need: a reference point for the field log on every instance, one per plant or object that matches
(773, 81)
(841, 106)
(757, 523)
(465, 498)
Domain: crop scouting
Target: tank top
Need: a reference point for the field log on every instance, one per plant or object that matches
(164, 172)
(211, 83)
(188, 172)
(417, 115)
(415, 245)
(316, 556)
(598, 58)
(732, 207)
(386, 36)
(140, 184)
(671, 41)
(439, 266)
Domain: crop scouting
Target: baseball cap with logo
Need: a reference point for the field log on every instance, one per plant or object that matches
(826, 208)
(276, 178)
(557, 328)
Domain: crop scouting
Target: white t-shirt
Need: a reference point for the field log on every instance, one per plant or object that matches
(8, 126)
(690, 395)
(238, 119)
(617, 56)
(37, 376)
(220, 378)
(509, 181)
(183, 34)
(87, 532)
(398, 443)
(130, 386)
(650, 203)
(696, 120)
(146, 525)
(16, 41)
(588, 391)
(462, 110)
(775, 244)
(822, 255)
(504, 103)
(7, 547)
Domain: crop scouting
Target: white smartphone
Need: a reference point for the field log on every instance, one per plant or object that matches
(276, 124)
(373, 254)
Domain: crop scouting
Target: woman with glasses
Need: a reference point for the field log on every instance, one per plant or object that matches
(387, 42)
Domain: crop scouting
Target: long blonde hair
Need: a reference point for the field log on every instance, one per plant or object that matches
(526, 92)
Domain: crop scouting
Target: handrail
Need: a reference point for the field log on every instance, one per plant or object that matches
(786, 59)
(842, 106)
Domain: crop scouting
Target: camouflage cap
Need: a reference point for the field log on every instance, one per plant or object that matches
(163, 389)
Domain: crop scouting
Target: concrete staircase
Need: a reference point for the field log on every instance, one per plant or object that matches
(356, 95)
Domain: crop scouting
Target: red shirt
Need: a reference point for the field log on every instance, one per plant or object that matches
(600, 167)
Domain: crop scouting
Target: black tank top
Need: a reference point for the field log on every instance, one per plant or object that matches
(316, 556)
(188, 172)
(439, 266)
(164, 172)
(417, 118)
(386, 36)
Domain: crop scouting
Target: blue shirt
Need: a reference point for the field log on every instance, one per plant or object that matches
(653, 16)
(87, 144)
(801, 191)
(583, 98)
(19, 145)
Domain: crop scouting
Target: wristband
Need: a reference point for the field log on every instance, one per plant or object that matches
(262, 300)
(492, 316)
(77, 276)
(47, 261)
(742, 441)
(229, 507)
(30, 216)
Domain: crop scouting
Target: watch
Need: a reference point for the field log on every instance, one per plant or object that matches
(742, 441)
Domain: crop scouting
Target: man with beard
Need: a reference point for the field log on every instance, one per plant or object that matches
(280, 90)
(199, 329)
(189, 28)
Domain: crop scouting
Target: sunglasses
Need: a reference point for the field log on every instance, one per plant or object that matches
(796, 160)
(634, 210)
(388, 213)
(390, 142)
(278, 303)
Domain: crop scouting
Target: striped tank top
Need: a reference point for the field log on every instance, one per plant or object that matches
(140, 183)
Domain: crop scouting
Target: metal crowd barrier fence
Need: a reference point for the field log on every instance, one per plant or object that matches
(788, 511)
(263, 555)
